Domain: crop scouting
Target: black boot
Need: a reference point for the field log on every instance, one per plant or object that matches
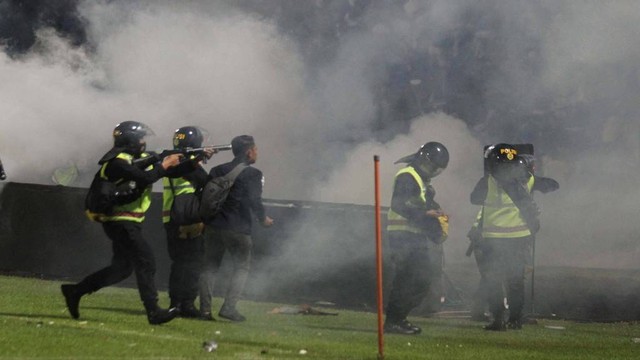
(230, 313)
(160, 316)
(515, 324)
(205, 312)
(72, 298)
(188, 310)
(403, 327)
(206, 316)
(496, 325)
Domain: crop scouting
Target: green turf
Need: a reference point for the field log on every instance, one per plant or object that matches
(34, 324)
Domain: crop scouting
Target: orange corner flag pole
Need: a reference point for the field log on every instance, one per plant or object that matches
(376, 166)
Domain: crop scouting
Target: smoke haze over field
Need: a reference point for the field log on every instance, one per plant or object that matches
(325, 85)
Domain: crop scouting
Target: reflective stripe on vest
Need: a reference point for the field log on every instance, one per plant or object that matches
(502, 217)
(135, 210)
(180, 186)
(395, 221)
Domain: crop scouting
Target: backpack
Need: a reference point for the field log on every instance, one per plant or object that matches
(215, 193)
(103, 195)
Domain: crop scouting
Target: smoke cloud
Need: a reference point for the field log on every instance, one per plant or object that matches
(325, 85)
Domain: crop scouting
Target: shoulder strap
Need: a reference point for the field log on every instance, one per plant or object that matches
(525, 203)
(173, 191)
(231, 176)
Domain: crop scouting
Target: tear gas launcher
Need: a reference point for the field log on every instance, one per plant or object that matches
(187, 152)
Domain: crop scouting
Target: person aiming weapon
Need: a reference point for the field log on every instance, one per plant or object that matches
(187, 152)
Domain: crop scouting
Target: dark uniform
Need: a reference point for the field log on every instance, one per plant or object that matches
(184, 243)
(231, 230)
(415, 239)
(131, 252)
(508, 226)
(481, 296)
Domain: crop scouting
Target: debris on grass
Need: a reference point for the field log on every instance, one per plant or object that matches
(552, 327)
(302, 309)
(210, 346)
(324, 303)
(302, 352)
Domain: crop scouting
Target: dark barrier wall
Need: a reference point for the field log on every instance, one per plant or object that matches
(315, 251)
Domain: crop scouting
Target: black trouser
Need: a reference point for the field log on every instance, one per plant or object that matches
(239, 245)
(131, 253)
(417, 262)
(506, 259)
(481, 296)
(186, 264)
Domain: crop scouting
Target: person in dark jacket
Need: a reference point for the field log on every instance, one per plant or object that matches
(231, 229)
(131, 252)
(416, 228)
(184, 240)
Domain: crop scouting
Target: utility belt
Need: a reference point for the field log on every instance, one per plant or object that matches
(185, 232)
(404, 225)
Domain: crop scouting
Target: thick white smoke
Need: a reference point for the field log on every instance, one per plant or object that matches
(233, 72)
(560, 53)
(165, 66)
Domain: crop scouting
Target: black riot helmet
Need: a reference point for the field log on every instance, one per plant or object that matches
(501, 154)
(528, 162)
(189, 137)
(130, 136)
(525, 167)
(503, 160)
(432, 158)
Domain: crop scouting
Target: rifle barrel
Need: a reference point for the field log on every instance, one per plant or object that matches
(225, 147)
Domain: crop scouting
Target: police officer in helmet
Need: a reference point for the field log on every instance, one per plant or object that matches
(123, 226)
(184, 240)
(509, 222)
(416, 228)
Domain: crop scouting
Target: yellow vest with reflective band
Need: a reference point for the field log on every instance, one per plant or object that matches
(502, 218)
(395, 221)
(180, 186)
(135, 210)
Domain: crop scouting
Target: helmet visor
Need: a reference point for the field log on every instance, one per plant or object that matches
(144, 130)
(430, 169)
(206, 137)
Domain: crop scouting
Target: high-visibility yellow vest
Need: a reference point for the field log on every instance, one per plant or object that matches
(135, 210)
(395, 221)
(502, 218)
(180, 186)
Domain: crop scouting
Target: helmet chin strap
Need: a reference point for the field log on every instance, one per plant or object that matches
(136, 151)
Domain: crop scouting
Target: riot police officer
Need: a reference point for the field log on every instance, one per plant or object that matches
(184, 234)
(524, 169)
(416, 228)
(123, 226)
(509, 221)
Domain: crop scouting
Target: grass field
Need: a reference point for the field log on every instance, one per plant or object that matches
(35, 324)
